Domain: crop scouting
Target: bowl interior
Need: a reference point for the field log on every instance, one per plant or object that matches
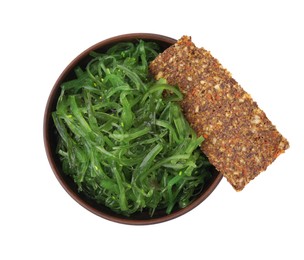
(50, 140)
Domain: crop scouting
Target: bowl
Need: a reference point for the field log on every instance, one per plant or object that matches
(50, 141)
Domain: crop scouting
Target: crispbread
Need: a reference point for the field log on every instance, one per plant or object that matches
(240, 141)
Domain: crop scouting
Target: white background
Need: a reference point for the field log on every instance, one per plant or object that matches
(260, 42)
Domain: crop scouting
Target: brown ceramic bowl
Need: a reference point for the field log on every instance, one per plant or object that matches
(50, 141)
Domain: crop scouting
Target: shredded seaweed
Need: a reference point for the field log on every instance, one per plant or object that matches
(124, 143)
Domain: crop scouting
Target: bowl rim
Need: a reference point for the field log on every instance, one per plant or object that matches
(47, 115)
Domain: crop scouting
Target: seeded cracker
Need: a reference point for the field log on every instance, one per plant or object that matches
(240, 141)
